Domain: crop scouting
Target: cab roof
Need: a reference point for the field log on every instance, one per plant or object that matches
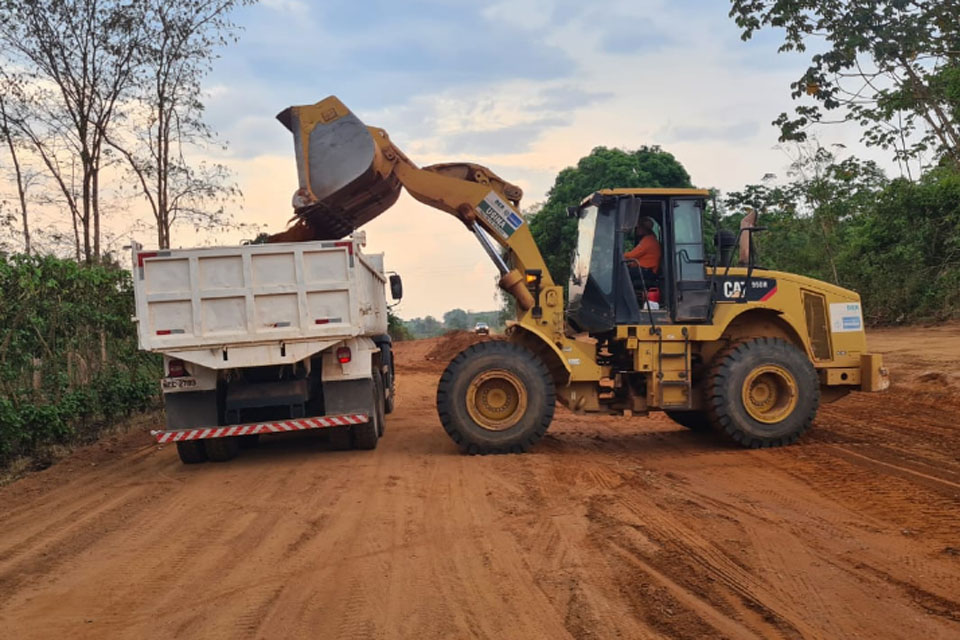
(656, 191)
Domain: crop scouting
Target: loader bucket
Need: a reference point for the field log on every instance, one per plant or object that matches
(345, 181)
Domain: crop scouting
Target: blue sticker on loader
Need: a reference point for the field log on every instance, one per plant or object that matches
(499, 215)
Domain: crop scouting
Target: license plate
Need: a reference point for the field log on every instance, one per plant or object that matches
(178, 384)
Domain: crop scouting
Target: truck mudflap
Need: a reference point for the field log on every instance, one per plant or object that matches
(280, 426)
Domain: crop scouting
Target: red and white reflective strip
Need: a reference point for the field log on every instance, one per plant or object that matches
(281, 426)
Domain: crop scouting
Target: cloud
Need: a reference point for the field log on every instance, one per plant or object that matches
(503, 140)
(568, 98)
(732, 132)
(287, 6)
(630, 37)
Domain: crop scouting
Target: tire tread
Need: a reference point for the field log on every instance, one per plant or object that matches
(445, 399)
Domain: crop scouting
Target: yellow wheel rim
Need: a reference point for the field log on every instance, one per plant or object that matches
(769, 394)
(496, 399)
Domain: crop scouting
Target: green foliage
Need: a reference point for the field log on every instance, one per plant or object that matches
(556, 233)
(396, 327)
(897, 243)
(69, 362)
(456, 319)
(453, 320)
(903, 253)
(428, 327)
(823, 195)
(891, 66)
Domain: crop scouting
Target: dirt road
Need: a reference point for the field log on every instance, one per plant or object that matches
(611, 528)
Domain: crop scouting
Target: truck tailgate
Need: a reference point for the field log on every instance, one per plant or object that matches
(209, 297)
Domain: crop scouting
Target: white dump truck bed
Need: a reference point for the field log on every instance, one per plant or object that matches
(253, 305)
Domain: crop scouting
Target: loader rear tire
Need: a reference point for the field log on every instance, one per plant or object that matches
(191, 452)
(367, 434)
(762, 392)
(496, 397)
(693, 420)
(222, 449)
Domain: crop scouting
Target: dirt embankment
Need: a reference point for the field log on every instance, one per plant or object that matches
(612, 527)
(446, 347)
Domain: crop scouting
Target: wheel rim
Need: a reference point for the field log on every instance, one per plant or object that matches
(496, 399)
(769, 394)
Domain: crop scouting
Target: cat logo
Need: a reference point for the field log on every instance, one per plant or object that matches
(733, 289)
(739, 290)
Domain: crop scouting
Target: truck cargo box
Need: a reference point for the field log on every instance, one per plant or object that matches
(255, 305)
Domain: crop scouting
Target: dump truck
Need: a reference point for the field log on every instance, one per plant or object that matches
(267, 339)
(737, 348)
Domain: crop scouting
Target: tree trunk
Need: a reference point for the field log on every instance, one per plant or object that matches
(95, 209)
(37, 381)
(85, 217)
(829, 249)
(21, 188)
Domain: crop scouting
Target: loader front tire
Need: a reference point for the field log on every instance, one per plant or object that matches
(762, 392)
(693, 420)
(496, 397)
(191, 452)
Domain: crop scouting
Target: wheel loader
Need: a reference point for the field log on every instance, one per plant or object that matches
(743, 350)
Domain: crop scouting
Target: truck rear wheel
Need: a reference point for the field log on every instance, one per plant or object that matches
(496, 397)
(366, 435)
(391, 387)
(191, 452)
(763, 392)
(381, 404)
(222, 449)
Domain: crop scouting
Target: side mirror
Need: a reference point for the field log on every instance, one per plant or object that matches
(396, 287)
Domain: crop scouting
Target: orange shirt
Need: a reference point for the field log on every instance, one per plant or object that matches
(646, 253)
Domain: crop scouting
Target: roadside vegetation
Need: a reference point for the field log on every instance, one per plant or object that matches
(69, 363)
(453, 320)
(100, 107)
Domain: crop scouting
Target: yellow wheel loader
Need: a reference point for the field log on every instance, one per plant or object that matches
(740, 349)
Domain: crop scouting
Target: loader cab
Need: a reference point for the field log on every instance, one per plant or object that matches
(602, 293)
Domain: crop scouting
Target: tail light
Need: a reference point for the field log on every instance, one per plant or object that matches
(176, 369)
(344, 355)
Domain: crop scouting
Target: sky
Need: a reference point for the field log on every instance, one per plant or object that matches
(526, 87)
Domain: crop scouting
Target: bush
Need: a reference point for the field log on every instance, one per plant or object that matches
(69, 363)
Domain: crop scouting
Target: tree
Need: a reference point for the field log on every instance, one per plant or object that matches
(181, 43)
(903, 253)
(69, 64)
(556, 233)
(891, 66)
(396, 328)
(456, 319)
(822, 194)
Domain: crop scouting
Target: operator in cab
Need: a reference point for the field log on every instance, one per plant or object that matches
(643, 260)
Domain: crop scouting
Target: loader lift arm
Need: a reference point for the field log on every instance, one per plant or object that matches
(345, 182)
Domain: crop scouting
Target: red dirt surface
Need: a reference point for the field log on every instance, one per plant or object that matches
(446, 347)
(611, 528)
